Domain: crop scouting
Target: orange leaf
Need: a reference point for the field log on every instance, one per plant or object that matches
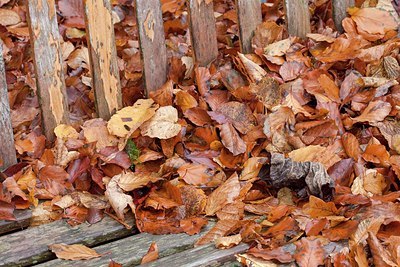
(373, 23)
(224, 194)
(351, 146)
(309, 253)
(151, 255)
(318, 208)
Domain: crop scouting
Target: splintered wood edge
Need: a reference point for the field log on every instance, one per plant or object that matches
(152, 43)
(297, 17)
(249, 16)
(339, 9)
(103, 57)
(130, 250)
(44, 34)
(30, 246)
(203, 32)
(23, 218)
(7, 151)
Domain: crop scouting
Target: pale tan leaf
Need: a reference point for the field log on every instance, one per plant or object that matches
(8, 17)
(117, 198)
(228, 241)
(163, 124)
(73, 252)
(129, 181)
(65, 132)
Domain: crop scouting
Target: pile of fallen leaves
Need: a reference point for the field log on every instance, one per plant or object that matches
(294, 149)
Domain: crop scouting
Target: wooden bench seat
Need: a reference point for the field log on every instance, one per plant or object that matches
(26, 247)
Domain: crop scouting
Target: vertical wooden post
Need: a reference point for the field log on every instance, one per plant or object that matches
(339, 9)
(103, 57)
(297, 17)
(50, 81)
(203, 31)
(7, 151)
(249, 15)
(152, 43)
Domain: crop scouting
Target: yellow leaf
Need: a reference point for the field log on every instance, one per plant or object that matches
(65, 132)
(128, 119)
(8, 17)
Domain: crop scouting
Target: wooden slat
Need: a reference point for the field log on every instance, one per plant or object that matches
(103, 57)
(30, 246)
(297, 17)
(7, 151)
(339, 8)
(206, 255)
(23, 218)
(249, 15)
(130, 251)
(152, 43)
(203, 31)
(42, 19)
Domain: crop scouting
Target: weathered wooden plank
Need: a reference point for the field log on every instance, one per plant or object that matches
(7, 151)
(203, 31)
(339, 9)
(103, 57)
(297, 17)
(206, 255)
(152, 43)
(249, 16)
(30, 246)
(23, 218)
(44, 34)
(130, 251)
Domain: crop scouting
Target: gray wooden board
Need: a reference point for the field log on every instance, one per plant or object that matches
(23, 218)
(339, 8)
(130, 251)
(206, 255)
(152, 43)
(249, 15)
(7, 151)
(30, 246)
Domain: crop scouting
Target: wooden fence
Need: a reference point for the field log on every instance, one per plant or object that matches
(44, 36)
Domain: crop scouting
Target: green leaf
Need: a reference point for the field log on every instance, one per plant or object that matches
(132, 151)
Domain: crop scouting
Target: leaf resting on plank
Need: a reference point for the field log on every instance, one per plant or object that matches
(288, 173)
(73, 252)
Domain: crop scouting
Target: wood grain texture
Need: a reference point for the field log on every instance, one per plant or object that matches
(23, 218)
(130, 250)
(103, 57)
(7, 151)
(42, 19)
(339, 9)
(297, 17)
(249, 16)
(30, 246)
(203, 31)
(152, 43)
(206, 255)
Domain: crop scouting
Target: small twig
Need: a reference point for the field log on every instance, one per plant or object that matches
(127, 226)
